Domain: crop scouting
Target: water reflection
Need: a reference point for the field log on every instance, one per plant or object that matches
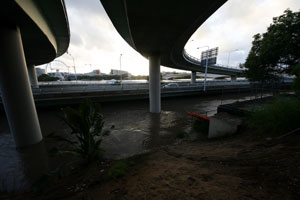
(11, 171)
(154, 130)
(34, 162)
(19, 169)
(121, 144)
(141, 132)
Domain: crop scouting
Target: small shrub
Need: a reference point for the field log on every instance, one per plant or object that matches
(86, 124)
(119, 169)
(279, 117)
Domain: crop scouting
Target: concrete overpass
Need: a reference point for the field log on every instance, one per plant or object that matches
(195, 65)
(159, 30)
(35, 32)
(32, 32)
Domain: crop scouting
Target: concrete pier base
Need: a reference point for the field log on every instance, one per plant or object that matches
(16, 91)
(32, 76)
(154, 84)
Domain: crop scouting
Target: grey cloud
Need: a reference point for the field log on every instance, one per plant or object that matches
(234, 24)
(76, 39)
(90, 26)
(231, 27)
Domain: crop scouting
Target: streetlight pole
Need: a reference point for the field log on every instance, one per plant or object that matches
(120, 69)
(206, 65)
(73, 64)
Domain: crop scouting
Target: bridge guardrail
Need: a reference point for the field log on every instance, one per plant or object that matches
(197, 61)
(123, 87)
(107, 88)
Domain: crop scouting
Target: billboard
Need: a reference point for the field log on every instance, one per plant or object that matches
(211, 54)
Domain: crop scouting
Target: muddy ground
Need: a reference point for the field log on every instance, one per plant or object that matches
(244, 166)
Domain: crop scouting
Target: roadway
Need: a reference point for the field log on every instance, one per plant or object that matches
(65, 96)
(82, 88)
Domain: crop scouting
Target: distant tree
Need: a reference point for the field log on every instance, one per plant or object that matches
(46, 77)
(139, 77)
(276, 51)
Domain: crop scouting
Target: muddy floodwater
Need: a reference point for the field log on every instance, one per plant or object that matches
(135, 131)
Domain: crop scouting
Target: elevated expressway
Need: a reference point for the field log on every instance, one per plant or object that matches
(195, 65)
(32, 32)
(159, 30)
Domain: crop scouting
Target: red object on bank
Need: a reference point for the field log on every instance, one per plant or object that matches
(197, 115)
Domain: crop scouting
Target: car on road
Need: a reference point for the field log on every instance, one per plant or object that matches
(112, 81)
(71, 77)
(171, 85)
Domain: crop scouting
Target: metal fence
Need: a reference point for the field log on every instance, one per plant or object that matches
(253, 95)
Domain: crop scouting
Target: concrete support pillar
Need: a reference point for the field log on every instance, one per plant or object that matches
(233, 78)
(16, 91)
(32, 76)
(154, 84)
(193, 77)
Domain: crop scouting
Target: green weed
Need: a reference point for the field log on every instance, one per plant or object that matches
(86, 124)
(277, 118)
(119, 169)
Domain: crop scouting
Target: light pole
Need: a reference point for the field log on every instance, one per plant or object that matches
(120, 69)
(73, 64)
(206, 65)
(229, 56)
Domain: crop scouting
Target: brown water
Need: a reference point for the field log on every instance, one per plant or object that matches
(135, 131)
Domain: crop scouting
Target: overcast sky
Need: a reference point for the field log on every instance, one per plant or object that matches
(95, 44)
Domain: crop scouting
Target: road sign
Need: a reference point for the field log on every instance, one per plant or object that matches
(211, 54)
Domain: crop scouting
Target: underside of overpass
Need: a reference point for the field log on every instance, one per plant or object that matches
(159, 30)
(35, 32)
(163, 28)
(32, 32)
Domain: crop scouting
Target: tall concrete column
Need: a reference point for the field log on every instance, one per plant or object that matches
(154, 84)
(16, 91)
(193, 77)
(32, 76)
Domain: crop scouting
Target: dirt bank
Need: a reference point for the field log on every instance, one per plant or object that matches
(241, 167)
(236, 168)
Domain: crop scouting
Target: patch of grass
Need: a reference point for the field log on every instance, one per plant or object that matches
(119, 169)
(282, 116)
(47, 180)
